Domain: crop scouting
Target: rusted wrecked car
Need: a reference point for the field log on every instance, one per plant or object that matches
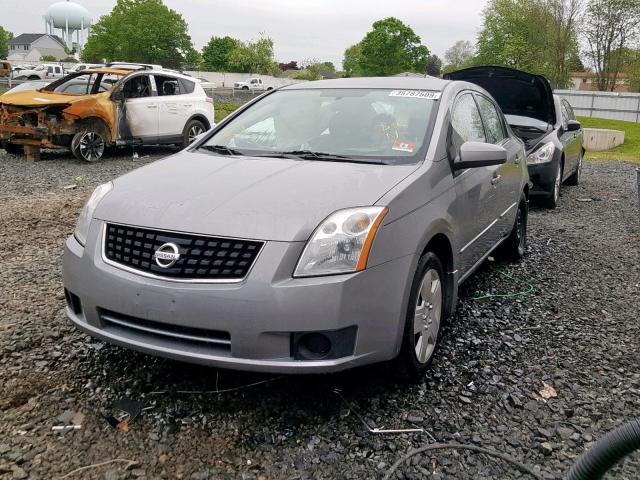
(94, 109)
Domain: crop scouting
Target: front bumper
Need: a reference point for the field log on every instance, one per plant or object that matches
(258, 316)
(543, 176)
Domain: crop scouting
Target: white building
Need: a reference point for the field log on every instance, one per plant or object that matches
(29, 47)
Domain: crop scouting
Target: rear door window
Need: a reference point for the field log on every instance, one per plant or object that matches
(493, 124)
(168, 86)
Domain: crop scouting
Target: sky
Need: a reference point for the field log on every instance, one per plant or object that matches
(300, 29)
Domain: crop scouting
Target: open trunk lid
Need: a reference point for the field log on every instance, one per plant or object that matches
(518, 93)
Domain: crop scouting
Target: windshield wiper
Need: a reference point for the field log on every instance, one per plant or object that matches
(326, 157)
(221, 149)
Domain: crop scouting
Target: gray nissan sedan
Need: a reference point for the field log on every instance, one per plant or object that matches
(323, 226)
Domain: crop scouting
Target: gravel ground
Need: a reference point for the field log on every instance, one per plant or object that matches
(576, 335)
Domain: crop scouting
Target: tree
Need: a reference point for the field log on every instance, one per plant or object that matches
(609, 26)
(459, 56)
(391, 47)
(434, 66)
(538, 36)
(292, 65)
(351, 61)
(254, 57)
(562, 21)
(512, 35)
(48, 58)
(5, 38)
(216, 55)
(632, 70)
(144, 31)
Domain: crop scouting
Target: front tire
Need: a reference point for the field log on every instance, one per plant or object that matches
(515, 246)
(553, 195)
(13, 149)
(425, 314)
(88, 145)
(575, 177)
(193, 129)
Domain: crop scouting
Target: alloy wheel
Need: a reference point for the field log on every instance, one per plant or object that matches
(91, 146)
(428, 311)
(194, 131)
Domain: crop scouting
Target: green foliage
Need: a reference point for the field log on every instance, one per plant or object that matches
(69, 60)
(144, 31)
(434, 65)
(224, 109)
(610, 27)
(5, 38)
(391, 47)
(216, 54)
(48, 58)
(629, 150)
(537, 36)
(351, 61)
(254, 57)
(458, 56)
(193, 60)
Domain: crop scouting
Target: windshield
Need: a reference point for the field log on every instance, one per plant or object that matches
(382, 126)
(39, 67)
(83, 83)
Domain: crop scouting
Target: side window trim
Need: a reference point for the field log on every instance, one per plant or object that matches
(501, 119)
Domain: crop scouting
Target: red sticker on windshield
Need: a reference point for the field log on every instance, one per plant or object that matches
(403, 146)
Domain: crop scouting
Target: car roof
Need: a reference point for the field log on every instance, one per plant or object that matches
(109, 71)
(400, 83)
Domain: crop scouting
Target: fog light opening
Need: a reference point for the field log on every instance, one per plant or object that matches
(314, 346)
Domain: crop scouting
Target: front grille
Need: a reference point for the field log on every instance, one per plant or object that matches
(201, 257)
(123, 324)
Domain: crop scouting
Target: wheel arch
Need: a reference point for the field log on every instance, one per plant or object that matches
(442, 247)
(200, 117)
(96, 120)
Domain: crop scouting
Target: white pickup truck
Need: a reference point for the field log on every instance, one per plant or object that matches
(253, 83)
(41, 72)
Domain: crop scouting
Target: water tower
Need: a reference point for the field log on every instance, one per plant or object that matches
(70, 18)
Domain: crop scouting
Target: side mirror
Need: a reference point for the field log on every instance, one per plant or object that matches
(478, 154)
(117, 96)
(573, 126)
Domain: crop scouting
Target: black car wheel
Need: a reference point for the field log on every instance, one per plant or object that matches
(13, 149)
(88, 145)
(193, 129)
(425, 314)
(515, 246)
(553, 195)
(575, 177)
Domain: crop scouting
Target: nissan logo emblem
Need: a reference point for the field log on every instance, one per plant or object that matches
(167, 255)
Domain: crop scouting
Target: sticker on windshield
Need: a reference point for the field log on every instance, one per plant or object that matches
(426, 94)
(402, 146)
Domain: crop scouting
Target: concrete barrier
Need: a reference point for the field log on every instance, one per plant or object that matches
(601, 140)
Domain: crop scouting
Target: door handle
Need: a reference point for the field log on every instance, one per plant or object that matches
(495, 179)
(152, 106)
(188, 105)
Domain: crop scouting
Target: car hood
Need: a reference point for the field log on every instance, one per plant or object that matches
(244, 197)
(518, 93)
(38, 98)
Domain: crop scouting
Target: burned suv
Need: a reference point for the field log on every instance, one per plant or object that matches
(101, 107)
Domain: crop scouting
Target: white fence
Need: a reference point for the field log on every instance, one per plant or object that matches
(612, 105)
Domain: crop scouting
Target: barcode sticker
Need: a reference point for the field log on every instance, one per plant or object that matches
(425, 94)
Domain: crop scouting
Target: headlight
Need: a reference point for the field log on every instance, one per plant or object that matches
(543, 155)
(82, 227)
(341, 243)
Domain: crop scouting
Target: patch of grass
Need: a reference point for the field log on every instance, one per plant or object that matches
(629, 150)
(224, 109)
